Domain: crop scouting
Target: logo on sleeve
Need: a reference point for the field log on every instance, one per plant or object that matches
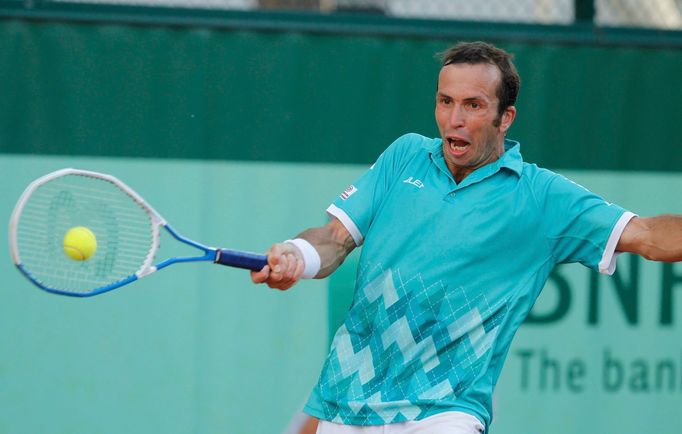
(348, 192)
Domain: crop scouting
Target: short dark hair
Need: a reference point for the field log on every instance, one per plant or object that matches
(479, 52)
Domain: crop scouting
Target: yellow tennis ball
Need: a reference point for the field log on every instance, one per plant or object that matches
(79, 243)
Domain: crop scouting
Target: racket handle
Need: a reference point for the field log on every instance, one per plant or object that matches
(235, 258)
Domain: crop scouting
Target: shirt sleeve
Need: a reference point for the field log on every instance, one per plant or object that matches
(581, 226)
(359, 203)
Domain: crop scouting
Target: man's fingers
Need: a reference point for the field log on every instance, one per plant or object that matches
(284, 269)
(261, 276)
(278, 269)
(292, 264)
(274, 258)
(300, 265)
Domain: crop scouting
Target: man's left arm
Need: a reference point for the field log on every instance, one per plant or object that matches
(655, 238)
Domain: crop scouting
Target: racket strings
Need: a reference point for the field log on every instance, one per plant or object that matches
(122, 227)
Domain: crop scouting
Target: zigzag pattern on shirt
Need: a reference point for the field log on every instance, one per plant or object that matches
(430, 344)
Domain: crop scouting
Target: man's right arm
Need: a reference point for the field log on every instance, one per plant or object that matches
(286, 263)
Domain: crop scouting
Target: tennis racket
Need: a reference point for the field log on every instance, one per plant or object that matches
(125, 228)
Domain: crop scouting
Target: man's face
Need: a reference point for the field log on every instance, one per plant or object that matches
(467, 118)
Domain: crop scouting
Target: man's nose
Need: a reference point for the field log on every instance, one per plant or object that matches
(457, 117)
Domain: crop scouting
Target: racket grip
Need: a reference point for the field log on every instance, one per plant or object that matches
(246, 260)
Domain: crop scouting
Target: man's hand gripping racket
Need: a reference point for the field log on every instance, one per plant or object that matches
(81, 233)
(285, 269)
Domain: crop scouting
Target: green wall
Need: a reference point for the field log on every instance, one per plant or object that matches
(162, 92)
(241, 138)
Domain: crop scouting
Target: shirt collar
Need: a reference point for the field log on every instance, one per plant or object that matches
(511, 159)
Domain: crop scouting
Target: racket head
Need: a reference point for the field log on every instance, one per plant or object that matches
(125, 226)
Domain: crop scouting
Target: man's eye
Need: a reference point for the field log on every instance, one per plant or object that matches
(473, 105)
(445, 100)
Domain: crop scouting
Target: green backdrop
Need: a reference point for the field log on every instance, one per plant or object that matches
(242, 138)
(195, 93)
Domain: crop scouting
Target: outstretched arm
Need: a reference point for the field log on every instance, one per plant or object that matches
(655, 238)
(286, 262)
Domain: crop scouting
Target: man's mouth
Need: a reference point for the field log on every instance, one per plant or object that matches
(457, 145)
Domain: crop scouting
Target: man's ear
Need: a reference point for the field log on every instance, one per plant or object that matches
(507, 119)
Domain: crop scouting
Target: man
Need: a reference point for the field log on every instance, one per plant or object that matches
(459, 236)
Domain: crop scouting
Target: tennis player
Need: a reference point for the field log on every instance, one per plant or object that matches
(459, 236)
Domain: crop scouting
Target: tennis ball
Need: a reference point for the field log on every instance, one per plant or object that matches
(80, 243)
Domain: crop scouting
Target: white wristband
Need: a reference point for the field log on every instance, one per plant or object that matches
(311, 259)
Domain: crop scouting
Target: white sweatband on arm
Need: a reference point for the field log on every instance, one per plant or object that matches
(311, 259)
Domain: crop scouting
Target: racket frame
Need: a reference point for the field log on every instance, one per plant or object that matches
(209, 254)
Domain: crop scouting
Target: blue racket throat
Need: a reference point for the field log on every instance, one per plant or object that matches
(209, 252)
(228, 257)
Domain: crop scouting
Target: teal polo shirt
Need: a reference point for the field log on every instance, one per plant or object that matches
(447, 274)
